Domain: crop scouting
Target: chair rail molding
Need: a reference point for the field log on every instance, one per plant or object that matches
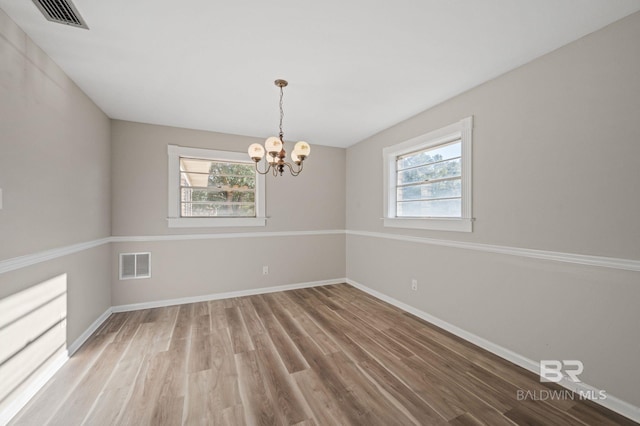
(580, 259)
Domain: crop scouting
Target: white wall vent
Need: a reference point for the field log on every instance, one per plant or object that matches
(61, 11)
(135, 266)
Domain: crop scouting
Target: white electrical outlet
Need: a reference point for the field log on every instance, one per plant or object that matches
(265, 270)
(414, 284)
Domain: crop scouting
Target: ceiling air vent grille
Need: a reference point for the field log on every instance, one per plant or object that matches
(61, 11)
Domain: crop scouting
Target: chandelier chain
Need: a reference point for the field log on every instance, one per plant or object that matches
(281, 112)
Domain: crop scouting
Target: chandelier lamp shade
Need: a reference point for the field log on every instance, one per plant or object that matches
(275, 158)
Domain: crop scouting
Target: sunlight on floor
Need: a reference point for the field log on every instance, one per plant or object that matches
(33, 333)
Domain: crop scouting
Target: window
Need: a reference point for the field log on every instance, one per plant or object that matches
(427, 180)
(213, 188)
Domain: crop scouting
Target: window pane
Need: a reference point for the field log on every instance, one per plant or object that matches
(431, 155)
(445, 169)
(428, 191)
(429, 182)
(434, 208)
(236, 170)
(217, 188)
(189, 194)
(204, 180)
(226, 181)
(218, 209)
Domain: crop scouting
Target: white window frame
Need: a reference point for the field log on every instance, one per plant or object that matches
(461, 130)
(176, 221)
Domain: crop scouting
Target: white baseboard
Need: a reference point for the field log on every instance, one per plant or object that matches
(611, 402)
(17, 404)
(73, 347)
(228, 295)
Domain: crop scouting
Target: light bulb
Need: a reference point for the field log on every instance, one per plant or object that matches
(256, 151)
(273, 145)
(303, 149)
(294, 157)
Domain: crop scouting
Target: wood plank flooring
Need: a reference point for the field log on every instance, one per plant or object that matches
(320, 356)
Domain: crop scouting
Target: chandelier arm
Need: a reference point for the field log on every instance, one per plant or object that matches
(292, 170)
(300, 167)
(266, 171)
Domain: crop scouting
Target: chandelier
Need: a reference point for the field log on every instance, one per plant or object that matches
(274, 147)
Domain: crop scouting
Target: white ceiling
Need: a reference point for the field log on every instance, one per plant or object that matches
(354, 67)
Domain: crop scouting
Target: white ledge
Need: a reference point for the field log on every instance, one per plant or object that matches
(580, 259)
(42, 256)
(46, 255)
(436, 224)
(259, 234)
(215, 222)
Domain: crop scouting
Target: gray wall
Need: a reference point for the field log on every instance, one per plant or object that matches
(55, 177)
(556, 165)
(555, 168)
(54, 153)
(313, 201)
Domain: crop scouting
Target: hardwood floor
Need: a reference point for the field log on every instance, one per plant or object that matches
(320, 356)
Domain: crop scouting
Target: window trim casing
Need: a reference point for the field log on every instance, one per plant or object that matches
(174, 219)
(462, 130)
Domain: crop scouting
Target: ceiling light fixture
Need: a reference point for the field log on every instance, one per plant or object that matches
(274, 147)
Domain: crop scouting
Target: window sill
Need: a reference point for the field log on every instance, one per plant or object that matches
(217, 222)
(436, 224)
